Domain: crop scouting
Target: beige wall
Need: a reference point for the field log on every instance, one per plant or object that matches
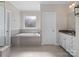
(15, 18)
(71, 19)
(30, 13)
(61, 14)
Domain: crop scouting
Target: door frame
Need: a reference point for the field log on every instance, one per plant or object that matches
(7, 27)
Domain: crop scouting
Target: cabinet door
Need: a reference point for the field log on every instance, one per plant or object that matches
(63, 40)
(68, 44)
(60, 39)
(72, 47)
(64, 43)
(72, 44)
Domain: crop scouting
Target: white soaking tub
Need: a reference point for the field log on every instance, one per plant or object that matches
(26, 39)
(28, 34)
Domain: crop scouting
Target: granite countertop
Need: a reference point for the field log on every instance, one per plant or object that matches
(69, 32)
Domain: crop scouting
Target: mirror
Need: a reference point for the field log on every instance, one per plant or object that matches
(76, 10)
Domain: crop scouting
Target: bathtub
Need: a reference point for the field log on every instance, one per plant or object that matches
(28, 34)
(26, 39)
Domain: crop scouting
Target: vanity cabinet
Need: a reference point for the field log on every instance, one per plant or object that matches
(67, 42)
(62, 40)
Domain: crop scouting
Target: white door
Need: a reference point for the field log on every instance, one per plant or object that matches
(7, 27)
(49, 28)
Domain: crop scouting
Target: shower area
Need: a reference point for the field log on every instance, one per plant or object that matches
(4, 31)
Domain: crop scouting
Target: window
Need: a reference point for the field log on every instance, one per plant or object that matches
(30, 21)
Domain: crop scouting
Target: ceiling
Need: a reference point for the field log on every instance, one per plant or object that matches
(33, 5)
(54, 2)
(26, 5)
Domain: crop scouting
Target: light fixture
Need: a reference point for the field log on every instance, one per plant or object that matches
(72, 5)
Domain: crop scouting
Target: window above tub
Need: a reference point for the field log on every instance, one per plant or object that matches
(30, 21)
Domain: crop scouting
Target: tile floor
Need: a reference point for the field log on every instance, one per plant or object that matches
(38, 51)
